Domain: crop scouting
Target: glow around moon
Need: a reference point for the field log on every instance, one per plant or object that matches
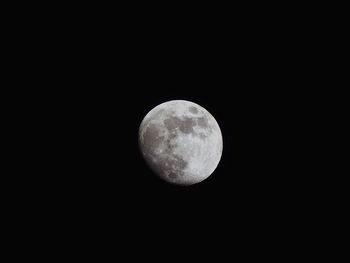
(181, 142)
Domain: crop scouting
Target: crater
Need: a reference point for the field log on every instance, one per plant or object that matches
(172, 135)
(202, 136)
(202, 122)
(180, 163)
(172, 175)
(193, 109)
(169, 146)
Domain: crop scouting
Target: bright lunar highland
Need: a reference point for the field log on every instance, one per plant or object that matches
(181, 142)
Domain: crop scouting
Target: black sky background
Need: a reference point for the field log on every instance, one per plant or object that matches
(241, 88)
(105, 74)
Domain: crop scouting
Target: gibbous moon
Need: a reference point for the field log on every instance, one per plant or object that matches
(181, 142)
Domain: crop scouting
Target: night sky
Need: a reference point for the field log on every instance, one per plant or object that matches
(106, 79)
(110, 178)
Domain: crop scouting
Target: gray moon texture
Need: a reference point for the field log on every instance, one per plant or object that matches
(181, 142)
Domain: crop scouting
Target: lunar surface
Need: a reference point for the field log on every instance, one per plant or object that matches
(181, 142)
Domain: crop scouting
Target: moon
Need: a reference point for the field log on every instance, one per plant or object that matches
(181, 142)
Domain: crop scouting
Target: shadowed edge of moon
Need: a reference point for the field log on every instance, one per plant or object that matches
(170, 165)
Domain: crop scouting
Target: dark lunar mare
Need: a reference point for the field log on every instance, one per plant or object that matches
(187, 124)
(193, 109)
